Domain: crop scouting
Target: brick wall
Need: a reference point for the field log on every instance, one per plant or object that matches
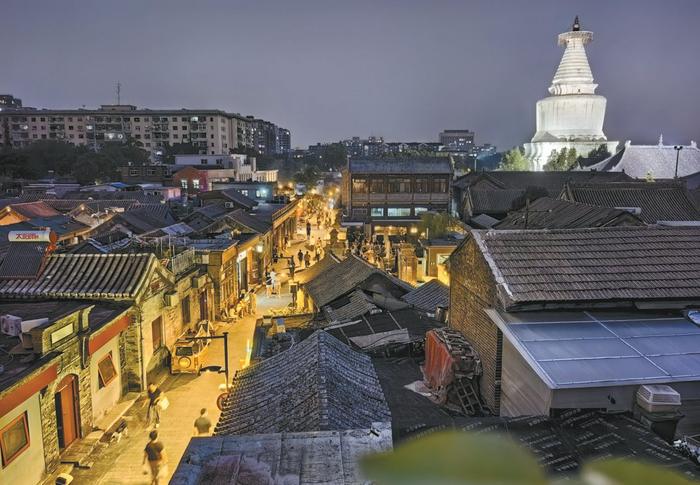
(472, 289)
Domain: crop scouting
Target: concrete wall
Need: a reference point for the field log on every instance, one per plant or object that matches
(103, 399)
(28, 468)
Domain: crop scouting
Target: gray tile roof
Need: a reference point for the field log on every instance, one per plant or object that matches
(440, 165)
(428, 296)
(319, 384)
(548, 213)
(23, 260)
(493, 201)
(659, 161)
(327, 262)
(84, 276)
(354, 305)
(611, 264)
(342, 278)
(658, 201)
(551, 181)
(319, 457)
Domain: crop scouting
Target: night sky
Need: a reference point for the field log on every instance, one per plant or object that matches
(327, 70)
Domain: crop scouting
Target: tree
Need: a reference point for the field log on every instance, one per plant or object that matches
(437, 224)
(561, 161)
(169, 151)
(594, 156)
(514, 160)
(308, 176)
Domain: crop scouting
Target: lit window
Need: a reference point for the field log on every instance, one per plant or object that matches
(419, 210)
(14, 439)
(398, 211)
(195, 183)
(106, 371)
(377, 212)
(183, 183)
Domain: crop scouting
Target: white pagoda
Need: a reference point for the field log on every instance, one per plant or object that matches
(572, 117)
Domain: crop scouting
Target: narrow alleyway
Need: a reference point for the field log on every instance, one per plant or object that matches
(121, 463)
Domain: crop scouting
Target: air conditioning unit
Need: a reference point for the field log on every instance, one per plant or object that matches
(11, 325)
(229, 205)
(658, 398)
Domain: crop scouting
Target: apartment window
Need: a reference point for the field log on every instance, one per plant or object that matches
(211, 119)
(185, 307)
(195, 184)
(35, 136)
(359, 186)
(106, 372)
(14, 438)
(376, 186)
(147, 136)
(42, 119)
(212, 137)
(440, 186)
(71, 136)
(175, 135)
(81, 136)
(157, 333)
(377, 212)
(184, 127)
(174, 118)
(80, 119)
(183, 118)
(137, 136)
(183, 183)
(148, 144)
(419, 210)
(43, 137)
(137, 119)
(70, 127)
(398, 211)
(174, 127)
(421, 185)
(359, 213)
(398, 185)
(33, 119)
(70, 118)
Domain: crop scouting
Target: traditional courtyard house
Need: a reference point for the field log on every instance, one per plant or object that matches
(389, 196)
(499, 192)
(579, 318)
(231, 198)
(307, 414)
(22, 212)
(64, 367)
(165, 302)
(548, 213)
(429, 298)
(666, 202)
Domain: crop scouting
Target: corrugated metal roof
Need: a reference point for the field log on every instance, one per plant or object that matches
(594, 349)
(319, 384)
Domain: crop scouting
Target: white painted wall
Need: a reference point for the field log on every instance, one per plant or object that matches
(28, 468)
(103, 399)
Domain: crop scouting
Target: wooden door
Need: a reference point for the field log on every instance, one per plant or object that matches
(66, 411)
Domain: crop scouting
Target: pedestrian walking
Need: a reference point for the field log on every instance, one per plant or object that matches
(154, 453)
(291, 268)
(268, 284)
(300, 256)
(317, 256)
(308, 229)
(202, 424)
(252, 302)
(307, 259)
(155, 405)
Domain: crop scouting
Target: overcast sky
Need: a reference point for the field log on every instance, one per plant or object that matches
(325, 69)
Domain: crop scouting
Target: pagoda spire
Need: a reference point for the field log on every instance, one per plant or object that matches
(574, 75)
(577, 25)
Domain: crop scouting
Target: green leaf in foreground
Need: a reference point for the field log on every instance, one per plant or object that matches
(454, 457)
(624, 472)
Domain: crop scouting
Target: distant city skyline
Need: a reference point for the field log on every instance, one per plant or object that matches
(401, 70)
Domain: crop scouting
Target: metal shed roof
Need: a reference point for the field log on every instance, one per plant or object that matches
(598, 349)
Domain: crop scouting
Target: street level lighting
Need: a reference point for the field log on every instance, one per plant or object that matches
(678, 149)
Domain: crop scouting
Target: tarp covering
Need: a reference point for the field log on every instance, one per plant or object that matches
(439, 364)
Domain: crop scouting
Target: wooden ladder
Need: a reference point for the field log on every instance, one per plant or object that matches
(468, 397)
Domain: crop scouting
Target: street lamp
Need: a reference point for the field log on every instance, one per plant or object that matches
(678, 149)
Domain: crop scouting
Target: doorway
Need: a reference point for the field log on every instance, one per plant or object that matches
(67, 416)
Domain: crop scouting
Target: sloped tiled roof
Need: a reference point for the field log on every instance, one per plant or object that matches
(23, 260)
(438, 165)
(319, 384)
(68, 205)
(610, 264)
(658, 201)
(428, 296)
(354, 305)
(659, 161)
(550, 181)
(548, 213)
(84, 276)
(31, 210)
(250, 221)
(304, 276)
(493, 200)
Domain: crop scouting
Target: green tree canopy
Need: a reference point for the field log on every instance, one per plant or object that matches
(561, 161)
(437, 224)
(514, 160)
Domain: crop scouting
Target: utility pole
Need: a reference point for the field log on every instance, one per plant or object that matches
(119, 93)
(678, 149)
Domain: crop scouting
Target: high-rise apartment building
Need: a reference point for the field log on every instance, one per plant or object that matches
(9, 101)
(211, 131)
(457, 140)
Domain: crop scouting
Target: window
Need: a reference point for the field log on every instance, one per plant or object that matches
(440, 186)
(174, 127)
(185, 306)
(14, 439)
(137, 119)
(377, 212)
(419, 210)
(106, 372)
(376, 186)
(398, 186)
(195, 184)
(157, 333)
(421, 185)
(359, 213)
(183, 183)
(398, 211)
(359, 186)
